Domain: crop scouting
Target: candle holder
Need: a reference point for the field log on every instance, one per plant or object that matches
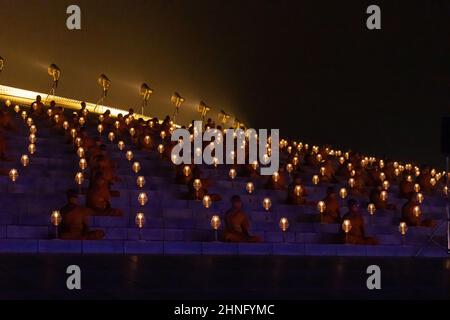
(403, 229)
(140, 223)
(232, 174)
(215, 225)
(56, 219)
(284, 226)
(267, 204)
(346, 227)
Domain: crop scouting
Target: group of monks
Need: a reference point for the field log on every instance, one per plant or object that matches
(154, 135)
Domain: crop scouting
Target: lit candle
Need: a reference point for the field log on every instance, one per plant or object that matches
(343, 193)
(100, 128)
(197, 184)
(284, 224)
(215, 222)
(162, 135)
(132, 132)
(371, 209)
(232, 173)
(160, 149)
(73, 133)
(386, 185)
(298, 190)
(417, 211)
(16, 108)
(121, 145)
(13, 175)
(267, 204)
(351, 182)
(140, 220)
(346, 226)
(207, 201)
(140, 181)
(56, 218)
(315, 179)
(80, 152)
(383, 195)
(289, 168)
(403, 228)
(136, 167)
(433, 181)
(23, 114)
(33, 129)
(32, 138)
(82, 163)
(31, 148)
(129, 155)
(321, 207)
(81, 121)
(250, 187)
(187, 171)
(142, 198)
(276, 177)
(420, 197)
(147, 140)
(79, 178)
(24, 160)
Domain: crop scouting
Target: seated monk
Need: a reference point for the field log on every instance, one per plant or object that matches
(198, 195)
(74, 221)
(2, 147)
(329, 174)
(424, 180)
(6, 121)
(410, 218)
(99, 195)
(359, 189)
(376, 199)
(331, 213)
(37, 107)
(276, 182)
(237, 224)
(405, 187)
(296, 192)
(357, 234)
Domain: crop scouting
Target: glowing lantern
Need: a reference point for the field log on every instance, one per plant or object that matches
(132, 132)
(142, 198)
(289, 168)
(250, 187)
(341, 160)
(403, 228)
(29, 122)
(80, 152)
(33, 129)
(78, 141)
(162, 135)
(343, 193)
(55, 218)
(420, 197)
(433, 181)
(147, 140)
(79, 178)
(215, 222)
(409, 178)
(386, 185)
(32, 138)
(315, 179)
(267, 204)
(140, 220)
(397, 172)
(187, 171)
(81, 121)
(417, 211)
(298, 190)
(13, 175)
(129, 155)
(16, 108)
(136, 167)
(351, 182)
(101, 118)
(346, 226)
(32, 148)
(321, 207)
(23, 114)
(121, 145)
(197, 184)
(276, 177)
(383, 195)
(82, 163)
(160, 149)
(73, 133)
(24, 160)
(56, 118)
(295, 161)
(207, 201)
(111, 136)
(140, 181)
(284, 224)
(416, 187)
(49, 112)
(117, 124)
(371, 209)
(100, 128)
(382, 176)
(232, 173)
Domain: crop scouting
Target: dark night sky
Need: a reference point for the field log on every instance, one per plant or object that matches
(310, 68)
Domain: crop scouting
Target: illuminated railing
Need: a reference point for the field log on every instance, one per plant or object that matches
(26, 97)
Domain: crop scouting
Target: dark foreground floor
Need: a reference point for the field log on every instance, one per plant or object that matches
(178, 277)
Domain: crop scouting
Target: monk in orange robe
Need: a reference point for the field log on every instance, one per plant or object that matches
(99, 196)
(296, 192)
(410, 218)
(74, 221)
(357, 233)
(331, 213)
(237, 224)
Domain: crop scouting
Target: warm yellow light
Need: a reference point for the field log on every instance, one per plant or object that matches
(250, 187)
(140, 181)
(276, 177)
(129, 155)
(121, 145)
(346, 226)
(142, 198)
(136, 167)
(343, 193)
(33, 129)
(371, 209)
(284, 224)
(289, 168)
(386, 185)
(267, 204)
(16, 108)
(82, 163)
(140, 220)
(207, 201)
(197, 184)
(215, 222)
(420, 197)
(100, 128)
(80, 152)
(24, 160)
(298, 190)
(403, 228)
(351, 183)
(160, 149)
(13, 175)
(32, 138)
(56, 218)
(31, 148)
(79, 178)
(321, 207)
(417, 211)
(315, 179)
(383, 195)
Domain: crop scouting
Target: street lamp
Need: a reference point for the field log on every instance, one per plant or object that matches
(203, 109)
(223, 117)
(145, 92)
(104, 83)
(177, 101)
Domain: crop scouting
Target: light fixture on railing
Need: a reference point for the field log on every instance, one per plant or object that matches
(177, 100)
(203, 109)
(145, 92)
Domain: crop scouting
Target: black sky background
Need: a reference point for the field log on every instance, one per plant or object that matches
(310, 68)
